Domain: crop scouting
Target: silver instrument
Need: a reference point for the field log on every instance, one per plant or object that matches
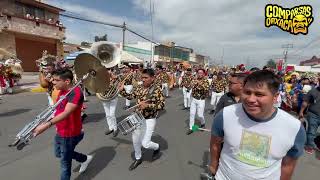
(130, 123)
(95, 77)
(206, 176)
(26, 134)
(109, 55)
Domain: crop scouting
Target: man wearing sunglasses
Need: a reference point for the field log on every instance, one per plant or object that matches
(235, 88)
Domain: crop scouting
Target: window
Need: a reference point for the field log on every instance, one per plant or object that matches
(39, 13)
(30, 10)
(19, 9)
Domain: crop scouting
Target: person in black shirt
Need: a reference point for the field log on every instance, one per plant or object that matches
(235, 89)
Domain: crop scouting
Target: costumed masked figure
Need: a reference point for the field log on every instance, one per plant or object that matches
(150, 101)
(17, 70)
(2, 79)
(46, 66)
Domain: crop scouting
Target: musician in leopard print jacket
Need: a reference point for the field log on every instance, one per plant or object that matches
(150, 101)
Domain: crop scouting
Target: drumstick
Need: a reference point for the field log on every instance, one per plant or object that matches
(136, 105)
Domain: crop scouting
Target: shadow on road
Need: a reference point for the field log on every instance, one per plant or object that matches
(205, 161)
(102, 157)
(147, 153)
(14, 112)
(96, 117)
(121, 141)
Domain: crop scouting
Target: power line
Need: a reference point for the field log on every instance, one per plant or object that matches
(307, 45)
(122, 26)
(92, 21)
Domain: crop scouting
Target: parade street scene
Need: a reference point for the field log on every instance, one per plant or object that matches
(150, 89)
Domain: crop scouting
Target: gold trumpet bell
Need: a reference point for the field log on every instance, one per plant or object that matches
(98, 79)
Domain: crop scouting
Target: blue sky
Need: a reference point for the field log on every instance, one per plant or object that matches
(231, 31)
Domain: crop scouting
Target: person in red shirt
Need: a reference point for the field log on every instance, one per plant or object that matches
(67, 119)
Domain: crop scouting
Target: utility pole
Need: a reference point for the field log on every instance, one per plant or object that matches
(123, 34)
(222, 61)
(151, 21)
(286, 47)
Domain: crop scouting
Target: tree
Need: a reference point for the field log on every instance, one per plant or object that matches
(101, 38)
(271, 64)
(85, 44)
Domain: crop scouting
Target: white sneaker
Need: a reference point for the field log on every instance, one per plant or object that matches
(85, 164)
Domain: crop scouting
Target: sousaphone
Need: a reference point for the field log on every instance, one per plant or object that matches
(109, 55)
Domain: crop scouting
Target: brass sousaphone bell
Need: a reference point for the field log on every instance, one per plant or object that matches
(105, 55)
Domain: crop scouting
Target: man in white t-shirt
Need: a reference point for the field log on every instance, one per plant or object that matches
(259, 140)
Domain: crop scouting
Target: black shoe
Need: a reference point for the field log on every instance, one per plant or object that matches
(115, 133)
(185, 108)
(135, 164)
(189, 131)
(212, 112)
(202, 125)
(108, 132)
(156, 154)
(84, 116)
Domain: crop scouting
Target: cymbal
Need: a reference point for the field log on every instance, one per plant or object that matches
(98, 79)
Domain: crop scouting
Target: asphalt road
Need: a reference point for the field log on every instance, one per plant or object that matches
(183, 157)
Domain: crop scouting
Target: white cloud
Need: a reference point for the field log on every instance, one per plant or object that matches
(237, 26)
(210, 27)
(78, 31)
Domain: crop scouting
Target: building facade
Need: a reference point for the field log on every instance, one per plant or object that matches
(169, 53)
(311, 62)
(141, 50)
(28, 27)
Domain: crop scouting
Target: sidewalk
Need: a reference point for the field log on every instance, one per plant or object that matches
(29, 81)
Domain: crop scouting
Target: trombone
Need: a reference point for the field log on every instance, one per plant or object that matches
(26, 134)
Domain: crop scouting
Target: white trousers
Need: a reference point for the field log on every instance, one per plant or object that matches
(84, 93)
(186, 97)
(2, 90)
(197, 106)
(215, 97)
(110, 110)
(166, 89)
(128, 89)
(142, 137)
(50, 101)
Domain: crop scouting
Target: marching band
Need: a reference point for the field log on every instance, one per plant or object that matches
(111, 80)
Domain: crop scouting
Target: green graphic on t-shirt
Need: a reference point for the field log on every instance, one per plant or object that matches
(254, 149)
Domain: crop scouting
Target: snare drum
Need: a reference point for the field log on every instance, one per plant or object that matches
(130, 123)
